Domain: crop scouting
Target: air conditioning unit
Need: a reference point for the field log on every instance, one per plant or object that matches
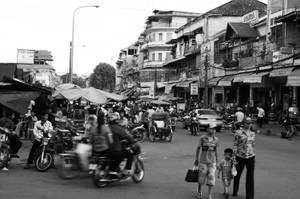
(286, 50)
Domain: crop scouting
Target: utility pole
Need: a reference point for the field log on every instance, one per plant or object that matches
(155, 81)
(206, 81)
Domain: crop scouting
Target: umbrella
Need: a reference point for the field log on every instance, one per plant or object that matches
(113, 96)
(66, 86)
(90, 94)
(169, 98)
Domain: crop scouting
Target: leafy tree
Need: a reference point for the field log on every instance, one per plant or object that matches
(103, 77)
(79, 81)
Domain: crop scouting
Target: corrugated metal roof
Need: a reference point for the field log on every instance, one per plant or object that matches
(242, 30)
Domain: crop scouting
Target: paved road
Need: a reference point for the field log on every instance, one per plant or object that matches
(277, 174)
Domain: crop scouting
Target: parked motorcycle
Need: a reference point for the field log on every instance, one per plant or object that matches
(43, 157)
(102, 177)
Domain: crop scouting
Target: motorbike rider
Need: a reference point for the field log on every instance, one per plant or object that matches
(117, 152)
(239, 118)
(41, 128)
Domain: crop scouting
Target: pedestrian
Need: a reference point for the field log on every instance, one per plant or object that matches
(243, 149)
(226, 168)
(260, 116)
(207, 160)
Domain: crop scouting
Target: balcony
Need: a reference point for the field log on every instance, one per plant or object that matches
(194, 49)
(152, 64)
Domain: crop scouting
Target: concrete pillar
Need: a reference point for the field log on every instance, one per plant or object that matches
(238, 95)
(251, 103)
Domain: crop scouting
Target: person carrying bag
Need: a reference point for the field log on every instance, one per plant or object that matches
(192, 175)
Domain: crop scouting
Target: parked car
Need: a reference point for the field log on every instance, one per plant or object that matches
(208, 116)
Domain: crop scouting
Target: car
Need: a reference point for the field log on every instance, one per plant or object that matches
(208, 116)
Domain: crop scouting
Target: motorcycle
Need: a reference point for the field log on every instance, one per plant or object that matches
(5, 152)
(173, 123)
(69, 164)
(138, 132)
(44, 156)
(101, 175)
(194, 126)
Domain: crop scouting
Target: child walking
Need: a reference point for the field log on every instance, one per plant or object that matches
(227, 169)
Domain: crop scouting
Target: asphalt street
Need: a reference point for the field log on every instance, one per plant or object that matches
(276, 174)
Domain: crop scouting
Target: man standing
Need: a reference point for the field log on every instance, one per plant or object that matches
(41, 127)
(243, 149)
(207, 151)
(260, 116)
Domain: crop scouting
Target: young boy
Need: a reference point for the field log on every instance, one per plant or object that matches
(225, 168)
(207, 151)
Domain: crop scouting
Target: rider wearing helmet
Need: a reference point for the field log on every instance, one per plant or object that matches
(116, 149)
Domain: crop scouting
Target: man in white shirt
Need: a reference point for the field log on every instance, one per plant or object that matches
(240, 117)
(260, 116)
(41, 128)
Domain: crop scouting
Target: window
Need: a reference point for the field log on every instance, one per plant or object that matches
(169, 36)
(153, 56)
(160, 56)
(168, 56)
(153, 37)
(160, 37)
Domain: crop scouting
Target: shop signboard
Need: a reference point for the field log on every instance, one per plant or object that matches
(194, 89)
(251, 17)
(25, 56)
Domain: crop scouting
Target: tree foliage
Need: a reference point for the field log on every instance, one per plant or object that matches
(103, 77)
(79, 81)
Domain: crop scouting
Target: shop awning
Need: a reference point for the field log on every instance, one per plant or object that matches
(18, 100)
(281, 72)
(239, 78)
(185, 84)
(214, 81)
(254, 78)
(294, 78)
(226, 80)
(168, 88)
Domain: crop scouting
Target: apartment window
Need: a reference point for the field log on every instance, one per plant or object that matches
(169, 36)
(160, 56)
(160, 37)
(168, 56)
(153, 56)
(153, 37)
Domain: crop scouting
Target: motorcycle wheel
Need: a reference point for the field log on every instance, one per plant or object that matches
(65, 169)
(139, 135)
(152, 134)
(138, 171)
(97, 180)
(44, 166)
(3, 158)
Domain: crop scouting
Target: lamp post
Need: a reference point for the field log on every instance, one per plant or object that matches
(72, 42)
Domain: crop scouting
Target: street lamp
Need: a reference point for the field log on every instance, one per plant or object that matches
(72, 42)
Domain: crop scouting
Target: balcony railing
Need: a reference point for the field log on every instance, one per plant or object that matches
(194, 49)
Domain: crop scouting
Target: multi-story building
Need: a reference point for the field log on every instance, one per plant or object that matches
(35, 66)
(154, 51)
(196, 48)
(283, 39)
(127, 68)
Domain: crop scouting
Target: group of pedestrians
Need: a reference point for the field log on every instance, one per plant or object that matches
(236, 157)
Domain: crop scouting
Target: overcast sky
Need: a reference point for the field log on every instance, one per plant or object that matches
(100, 33)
